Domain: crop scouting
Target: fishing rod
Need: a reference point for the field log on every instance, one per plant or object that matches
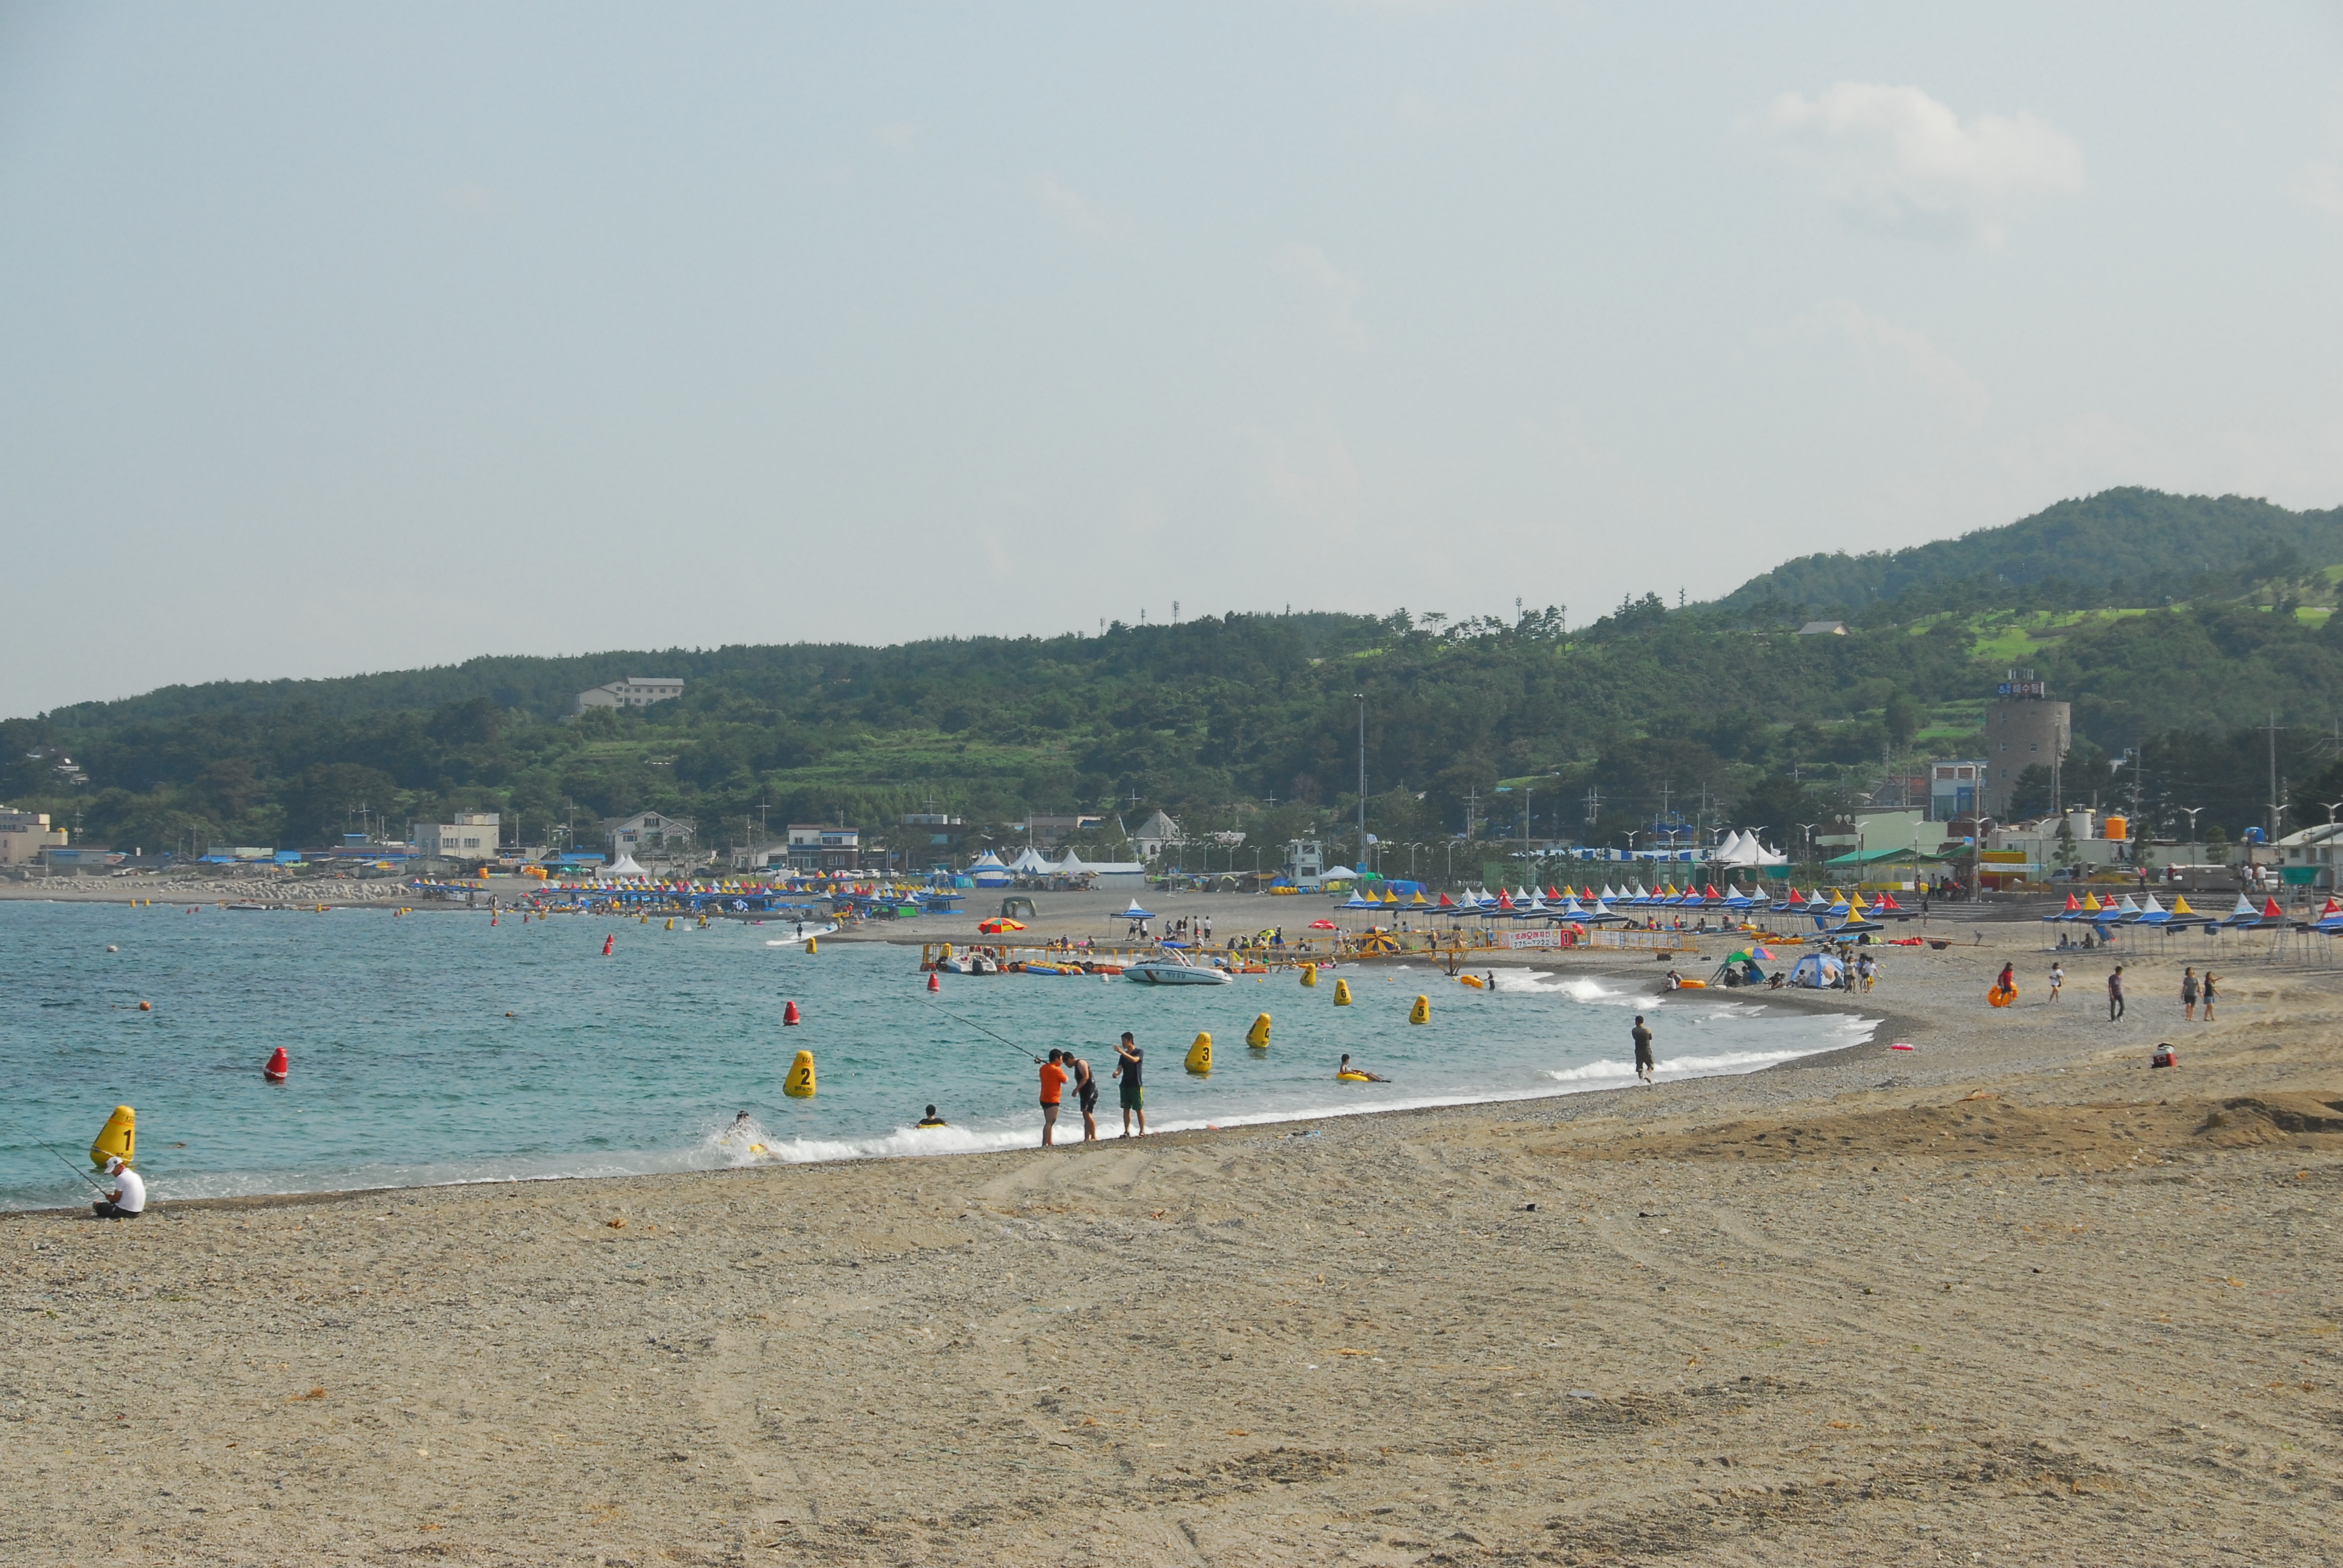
(979, 1028)
(61, 1160)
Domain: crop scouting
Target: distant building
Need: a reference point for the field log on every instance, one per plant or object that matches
(822, 847)
(1954, 789)
(2023, 729)
(1049, 831)
(472, 836)
(85, 862)
(1155, 835)
(1823, 628)
(635, 692)
(1305, 862)
(26, 836)
(650, 835)
(933, 836)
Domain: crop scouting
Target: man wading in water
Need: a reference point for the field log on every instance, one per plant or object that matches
(1643, 1038)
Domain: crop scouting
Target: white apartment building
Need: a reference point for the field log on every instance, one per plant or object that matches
(472, 836)
(25, 836)
(635, 692)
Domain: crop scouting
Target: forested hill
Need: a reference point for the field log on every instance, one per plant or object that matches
(2124, 546)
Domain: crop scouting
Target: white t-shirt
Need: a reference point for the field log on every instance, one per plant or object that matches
(133, 1192)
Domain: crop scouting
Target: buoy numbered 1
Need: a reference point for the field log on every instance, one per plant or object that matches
(1341, 993)
(1257, 1036)
(1200, 1055)
(799, 1085)
(118, 1137)
(1422, 1012)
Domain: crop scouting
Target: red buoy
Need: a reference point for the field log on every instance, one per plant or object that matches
(280, 1065)
(609, 943)
(790, 1013)
(934, 982)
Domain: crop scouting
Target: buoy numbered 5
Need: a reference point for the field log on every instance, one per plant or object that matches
(279, 1066)
(1200, 1055)
(790, 1013)
(1341, 993)
(1308, 974)
(118, 1139)
(799, 1085)
(935, 981)
(1257, 1036)
(1422, 1012)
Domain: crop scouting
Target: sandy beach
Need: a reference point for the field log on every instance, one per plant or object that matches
(2009, 1297)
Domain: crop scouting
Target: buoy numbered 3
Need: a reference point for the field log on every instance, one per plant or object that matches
(1200, 1055)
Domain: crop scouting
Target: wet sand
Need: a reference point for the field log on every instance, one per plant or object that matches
(2009, 1297)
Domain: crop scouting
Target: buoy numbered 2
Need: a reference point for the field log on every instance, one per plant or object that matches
(799, 1085)
(1308, 974)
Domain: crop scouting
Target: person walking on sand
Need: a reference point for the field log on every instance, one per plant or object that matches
(2188, 994)
(1085, 1094)
(2057, 979)
(2208, 996)
(2114, 994)
(2008, 980)
(1127, 1058)
(1054, 1092)
(1643, 1039)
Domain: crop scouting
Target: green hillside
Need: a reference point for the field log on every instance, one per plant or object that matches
(1249, 722)
(2124, 546)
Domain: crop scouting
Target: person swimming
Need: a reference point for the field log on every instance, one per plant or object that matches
(932, 1119)
(1351, 1071)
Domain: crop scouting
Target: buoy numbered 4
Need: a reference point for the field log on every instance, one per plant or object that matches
(799, 1085)
(1200, 1055)
(1257, 1036)
(1341, 993)
(117, 1139)
(1422, 1012)
(788, 1014)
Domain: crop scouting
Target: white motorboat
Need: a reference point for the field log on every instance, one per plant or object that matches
(1173, 968)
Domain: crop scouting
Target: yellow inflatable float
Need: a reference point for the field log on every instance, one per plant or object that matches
(118, 1139)
(1475, 981)
(1353, 1078)
(798, 1084)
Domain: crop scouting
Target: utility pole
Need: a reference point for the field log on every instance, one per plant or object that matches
(2275, 808)
(1362, 697)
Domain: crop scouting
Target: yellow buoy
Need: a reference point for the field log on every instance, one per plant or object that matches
(118, 1138)
(1257, 1036)
(1308, 974)
(1422, 1012)
(1341, 993)
(642, 919)
(810, 949)
(1200, 1055)
(671, 922)
(799, 1083)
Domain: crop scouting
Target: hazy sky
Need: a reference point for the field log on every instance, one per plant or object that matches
(337, 337)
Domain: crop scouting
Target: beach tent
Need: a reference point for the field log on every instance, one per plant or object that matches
(987, 872)
(1338, 874)
(1030, 864)
(1136, 913)
(1070, 866)
(1816, 972)
(625, 868)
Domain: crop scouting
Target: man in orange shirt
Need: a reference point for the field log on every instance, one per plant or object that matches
(1053, 1089)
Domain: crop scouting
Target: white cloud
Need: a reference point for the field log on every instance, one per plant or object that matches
(1896, 158)
(1884, 346)
(1310, 474)
(1335, 292)
(897, 134)
(478, 200)
(2318, 186)
(1081, 215)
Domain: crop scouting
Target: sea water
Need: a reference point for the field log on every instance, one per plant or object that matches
(437, 1047)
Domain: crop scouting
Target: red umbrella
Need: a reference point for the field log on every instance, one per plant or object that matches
(1323, 925)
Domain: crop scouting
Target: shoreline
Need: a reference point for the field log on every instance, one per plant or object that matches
(2020, 1297)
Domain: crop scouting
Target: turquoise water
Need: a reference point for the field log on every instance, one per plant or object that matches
(406, 1069)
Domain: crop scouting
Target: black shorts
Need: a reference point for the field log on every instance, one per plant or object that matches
(1644, 1057)
(1090, 1098)
(112, 1212)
